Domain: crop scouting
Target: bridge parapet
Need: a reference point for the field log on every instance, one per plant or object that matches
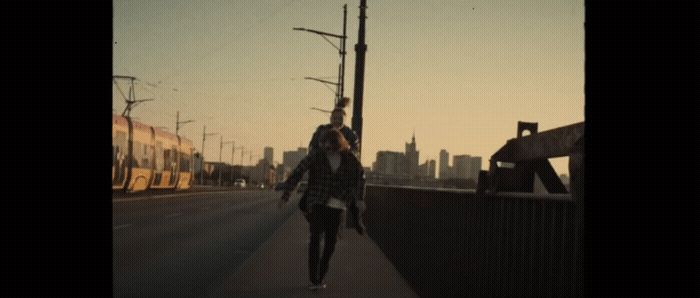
(460, 243)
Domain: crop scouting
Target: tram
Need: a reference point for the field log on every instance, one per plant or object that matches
(145, 157)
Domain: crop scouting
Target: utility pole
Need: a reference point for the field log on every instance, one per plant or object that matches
(252, 166)
(221, 148)
(250, 158)
(342, 54)
(178, 122)
(204, 138)
(360, 49)
(220, 160)
(243, 152)
(233, 150)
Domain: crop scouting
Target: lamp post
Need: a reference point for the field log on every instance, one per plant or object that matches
(204, 138)
(221, 147)
(326, 83)
(360, 50)
(341, 51)
(233, 150)
(250, 158)
(252, 166)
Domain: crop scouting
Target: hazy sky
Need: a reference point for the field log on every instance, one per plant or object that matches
(460, 72)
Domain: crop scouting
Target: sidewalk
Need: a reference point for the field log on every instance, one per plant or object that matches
(278, 268)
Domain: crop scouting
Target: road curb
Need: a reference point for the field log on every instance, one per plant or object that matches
(164, 196)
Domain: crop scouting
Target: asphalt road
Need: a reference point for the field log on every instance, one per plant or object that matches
(185, 245)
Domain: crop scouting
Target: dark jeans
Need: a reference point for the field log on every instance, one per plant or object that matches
(322, 220)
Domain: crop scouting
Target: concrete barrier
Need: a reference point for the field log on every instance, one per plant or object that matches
(450, 243)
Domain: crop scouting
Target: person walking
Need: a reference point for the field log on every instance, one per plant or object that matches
(334, 185)
(337, 121)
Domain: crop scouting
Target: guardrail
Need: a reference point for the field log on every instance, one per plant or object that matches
(449, 242)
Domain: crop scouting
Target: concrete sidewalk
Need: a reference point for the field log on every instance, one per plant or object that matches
(278, 268)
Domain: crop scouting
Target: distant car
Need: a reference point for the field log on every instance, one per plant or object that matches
(261, 186)
(240, 183)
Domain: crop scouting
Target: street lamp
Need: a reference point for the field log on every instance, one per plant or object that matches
(252, 165)
(321, 110)
(326, 83)
(233, 150)
(340, 86)
(204, 138)
(221, 147)
(243, 151)
(250, 159)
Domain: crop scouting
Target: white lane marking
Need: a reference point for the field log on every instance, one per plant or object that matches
(120, 226)
(173, 215)
(179, 195)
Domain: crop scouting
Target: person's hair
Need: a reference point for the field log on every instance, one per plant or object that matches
(340, 107)
(336, 138)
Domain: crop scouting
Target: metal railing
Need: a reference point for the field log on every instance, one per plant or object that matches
(457, 243)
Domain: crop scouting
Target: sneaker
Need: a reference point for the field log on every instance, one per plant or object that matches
(316, 287)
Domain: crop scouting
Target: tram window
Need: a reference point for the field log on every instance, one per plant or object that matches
(173, 158)
(160, 159)
(139, 156)
(119, 141)
(184, 163)
(168, 164)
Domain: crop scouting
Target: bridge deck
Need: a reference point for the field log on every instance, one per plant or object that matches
(279, 268)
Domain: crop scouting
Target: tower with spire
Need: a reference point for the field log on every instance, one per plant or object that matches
(412, 157)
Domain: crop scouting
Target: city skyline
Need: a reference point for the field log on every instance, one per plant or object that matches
(461, 73)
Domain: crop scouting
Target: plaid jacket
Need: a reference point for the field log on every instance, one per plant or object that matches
(345, 184)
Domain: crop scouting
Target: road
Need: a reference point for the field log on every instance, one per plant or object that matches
(185, 245)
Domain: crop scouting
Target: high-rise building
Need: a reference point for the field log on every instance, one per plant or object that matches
(291, 159)
(282, 172)
(475, 167)
(390, 163)
(427, 169)
(451, 172)
(462, 166)
(412, 157)
(269, 155)
(423, 169)
(444, 166)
